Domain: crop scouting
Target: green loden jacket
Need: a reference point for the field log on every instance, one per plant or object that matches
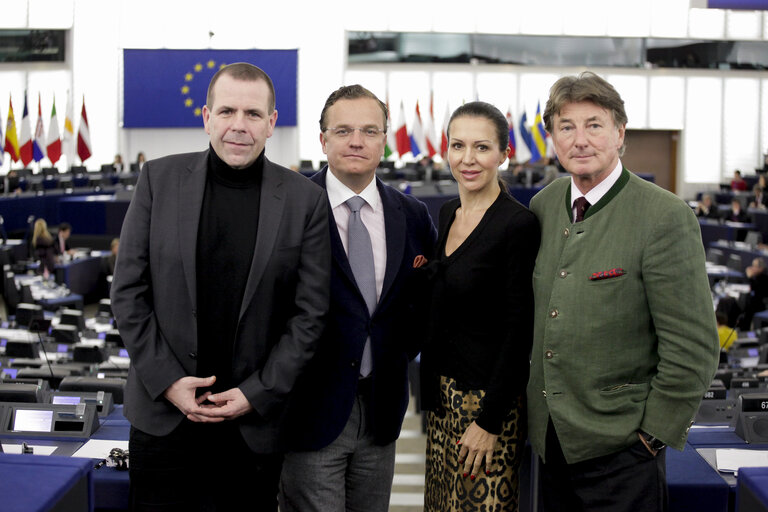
(624, 334)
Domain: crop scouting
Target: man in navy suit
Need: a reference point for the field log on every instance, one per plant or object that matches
(348, 407)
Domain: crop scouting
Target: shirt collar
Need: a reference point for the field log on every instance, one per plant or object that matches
(339, 193)
(597, 193)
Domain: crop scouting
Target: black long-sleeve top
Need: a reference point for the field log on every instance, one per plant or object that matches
(481, 319)
(229, 220)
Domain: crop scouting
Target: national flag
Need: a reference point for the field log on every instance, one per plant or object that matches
(11, 144)
(418, 143)
(25, 142)
(83, 136)
(391, 145)
(38, 144)
(429, 130)
(68, 136)
(53, 148)
(525, 132)
(512, 141)
(2, 152)
(444, 133)
(538, 137)
(401, 135)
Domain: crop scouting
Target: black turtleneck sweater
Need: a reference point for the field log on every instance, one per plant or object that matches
(226, 238)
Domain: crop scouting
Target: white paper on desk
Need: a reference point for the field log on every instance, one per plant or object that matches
(731, 459)
(36, 449)
(99, 448)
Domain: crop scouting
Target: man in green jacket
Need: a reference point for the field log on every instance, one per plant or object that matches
(625, 342)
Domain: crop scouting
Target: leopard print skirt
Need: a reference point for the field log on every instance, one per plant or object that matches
(446, 490)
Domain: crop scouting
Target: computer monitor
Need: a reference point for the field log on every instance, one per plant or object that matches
(107, 169)
(72, 317)
(25, 313)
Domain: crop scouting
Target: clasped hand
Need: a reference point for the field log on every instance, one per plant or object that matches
(226, 405)
(476, 446)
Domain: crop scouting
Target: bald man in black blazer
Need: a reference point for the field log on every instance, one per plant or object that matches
(220, 292)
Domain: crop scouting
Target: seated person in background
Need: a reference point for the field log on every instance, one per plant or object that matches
(737, 213)
(761, 199)
(706, 208)
(726, 333)
(108, 263)
(140, 159)
(551, 173)
(758, 286)
(737, 183)
(118, 163)
(61, 246)
(42, 243)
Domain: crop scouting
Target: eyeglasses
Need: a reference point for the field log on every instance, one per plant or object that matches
(343, 132)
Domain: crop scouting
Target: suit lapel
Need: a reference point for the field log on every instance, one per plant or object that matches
(395, 229)
(190, 200)
(337, 247)
(271, 204)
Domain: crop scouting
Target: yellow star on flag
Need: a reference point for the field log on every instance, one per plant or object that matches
(198, 68)
(185, 89)
(188, 102)
(198, 112)
(210, 64)
(188, 77)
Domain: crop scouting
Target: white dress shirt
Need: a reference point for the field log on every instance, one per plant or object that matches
(372, 215)
(597, 193)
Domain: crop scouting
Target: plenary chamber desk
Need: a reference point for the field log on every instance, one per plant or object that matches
(693, 484)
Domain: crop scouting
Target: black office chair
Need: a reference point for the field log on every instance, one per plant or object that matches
(753, 238)
(734, 262)
(715, 256)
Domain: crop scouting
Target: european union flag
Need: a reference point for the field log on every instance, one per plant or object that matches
(167, 88)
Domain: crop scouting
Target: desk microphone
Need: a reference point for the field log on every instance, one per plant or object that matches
(45, 356)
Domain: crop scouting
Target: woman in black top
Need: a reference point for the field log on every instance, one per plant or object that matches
(42, 242)
(475, 362)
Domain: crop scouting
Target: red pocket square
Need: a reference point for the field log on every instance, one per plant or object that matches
(419, 261)
(607, 274)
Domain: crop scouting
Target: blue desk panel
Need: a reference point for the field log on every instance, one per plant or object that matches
(31, 483)
(753, 490)
(693, 485)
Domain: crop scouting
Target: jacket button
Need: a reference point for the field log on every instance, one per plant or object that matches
(553, 313)
(566, 233)
(548, 354)
(354, 364)
(563, 273)
(192, 355)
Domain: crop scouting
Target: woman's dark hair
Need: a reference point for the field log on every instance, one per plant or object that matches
(489, 112)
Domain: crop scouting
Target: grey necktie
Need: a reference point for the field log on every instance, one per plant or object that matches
(361, 261)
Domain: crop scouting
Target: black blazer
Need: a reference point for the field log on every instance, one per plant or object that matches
(154, 293)
(325, 394)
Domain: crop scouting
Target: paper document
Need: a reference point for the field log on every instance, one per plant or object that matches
(99, 448)
(36, 449)
(731, 459)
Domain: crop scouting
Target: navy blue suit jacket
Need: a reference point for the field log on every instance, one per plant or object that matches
(322, 400)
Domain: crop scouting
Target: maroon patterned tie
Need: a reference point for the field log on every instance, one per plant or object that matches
(581, 205)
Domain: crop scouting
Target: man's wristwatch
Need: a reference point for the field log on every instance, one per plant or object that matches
(650, 441)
